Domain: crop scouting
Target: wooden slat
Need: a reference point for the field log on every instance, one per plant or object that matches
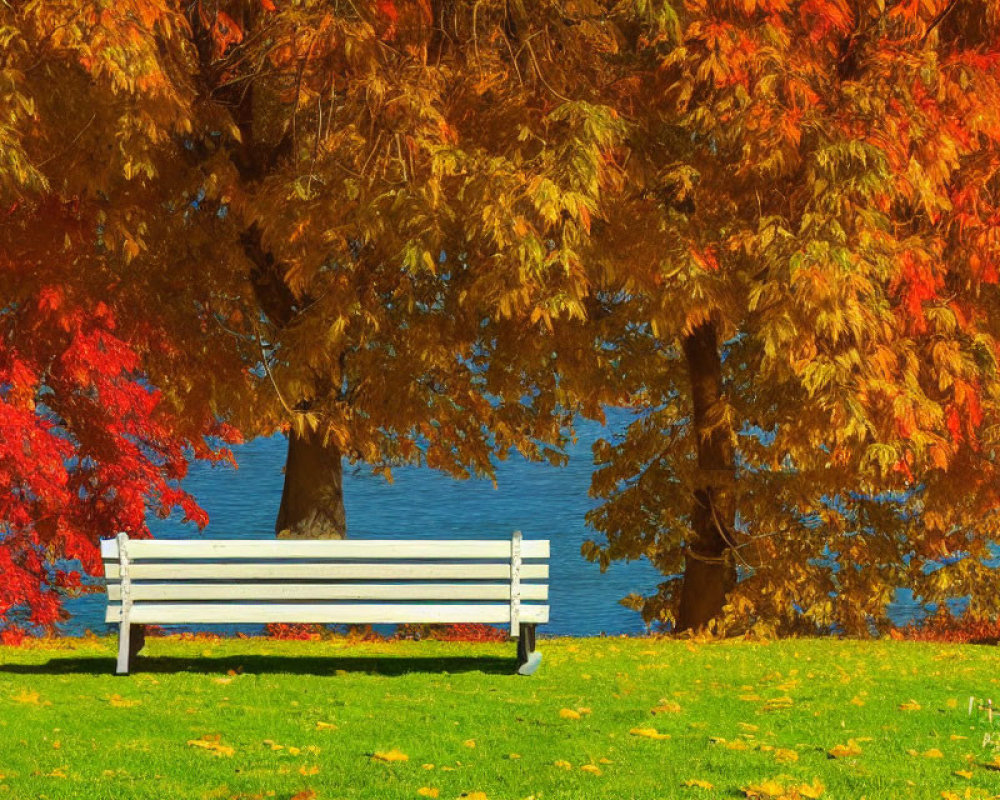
(346, 614)
(370, 549)
(221, 571)
(313, 591)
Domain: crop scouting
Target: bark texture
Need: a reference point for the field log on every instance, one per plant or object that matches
(709, 570)
(312, 501)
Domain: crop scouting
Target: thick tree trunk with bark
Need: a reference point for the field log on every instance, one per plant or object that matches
(709, 570)
(312, 501)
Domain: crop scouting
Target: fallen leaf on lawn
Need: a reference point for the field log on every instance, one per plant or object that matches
(649, 733)
(956, 737)
(562, 764)
(764, 789)
(28, 698)
(123, 702)
(604, 760)
(952, 703)
(811, 790)
(666, 708)
(470, 743)
(325, 726)
(909, 705)
(513, 756)
(857, 701)
(569, 713)
(474, 795)
(390, 755)
(293, 751)
(593, 769)
(427, 766)
(305, 794)
(778, 703)
(313, 770)
(933, 753)
(583, 710)
(747, 726)
(427, 791)
(737, 744)
(774, 790)
(845, 750)
(784, 756)
(223, 681)
(964, 773)
(58, 772)
(750, 698)
(699, 784)
(212, 744)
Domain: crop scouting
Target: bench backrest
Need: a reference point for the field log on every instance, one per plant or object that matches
(196, 581)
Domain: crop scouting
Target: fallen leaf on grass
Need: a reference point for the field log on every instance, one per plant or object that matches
(749, 727)
(313, 770)
(29, 698)
(562, 764)
(470, 743)
(390, 756)
(474, 796)
(775, 790)
(699, 784)
(933, 753)
(513, 756)
(956, 737)
(649, 733)
(325, 726)
(593, 769)
(964, 773)
(427, 766)
(305, 794)
(666, 708)
(785, 756)
(909, 705)
(427, 791)
(845, 750)
(569, 713)
(212, 743)
(118, 701)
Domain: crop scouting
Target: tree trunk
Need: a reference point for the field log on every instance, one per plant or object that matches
(312, 501)
(709, 571)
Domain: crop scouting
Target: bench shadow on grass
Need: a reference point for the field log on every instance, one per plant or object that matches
(264, 665)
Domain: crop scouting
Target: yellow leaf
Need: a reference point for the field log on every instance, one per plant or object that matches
(513, 756)
(58, 772)
(666, 708)
(212, 744)
(427, 766)
(569, 713)
(470, 743)
(649, 733)
(325, 726)
(952, 703)
(562, 764)
(857, 701)
(593, 769)
(305, 794)
(389, 756)
(26, 697)
(956, 737)
(120, 702)
(750, 698)
(474, 796)
(737, 744)
(784, 756)
(698, 783)
(933, 753)
(910, 705)
(746, 726)
(293, 751)
(964, 773)
(583, 710)
(765, 789)
(811, 790)
(313, 770)
(427, 791)
(846, 750)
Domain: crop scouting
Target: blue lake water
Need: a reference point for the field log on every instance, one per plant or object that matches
(539, 500)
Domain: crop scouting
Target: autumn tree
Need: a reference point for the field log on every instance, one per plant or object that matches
(808, 315)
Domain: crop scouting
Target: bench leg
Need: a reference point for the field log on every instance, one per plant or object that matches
(528, 658)
(124, 650)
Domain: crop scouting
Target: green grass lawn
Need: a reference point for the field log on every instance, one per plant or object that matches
(256, 718)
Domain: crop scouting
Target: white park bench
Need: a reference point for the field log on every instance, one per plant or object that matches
(232, 581)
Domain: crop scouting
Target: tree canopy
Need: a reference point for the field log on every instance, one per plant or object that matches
(428, 231)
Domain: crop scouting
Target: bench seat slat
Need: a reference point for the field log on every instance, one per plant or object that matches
(247, 570)
(325, 591)
(277, 549)
(346, 614)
